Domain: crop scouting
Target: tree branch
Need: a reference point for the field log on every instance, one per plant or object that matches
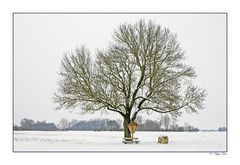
(114, 110)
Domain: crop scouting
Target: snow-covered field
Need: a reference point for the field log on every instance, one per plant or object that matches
(112, 141)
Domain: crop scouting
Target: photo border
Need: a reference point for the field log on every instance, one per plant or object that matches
(125, 13)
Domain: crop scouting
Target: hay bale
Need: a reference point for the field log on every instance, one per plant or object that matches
(163, 139)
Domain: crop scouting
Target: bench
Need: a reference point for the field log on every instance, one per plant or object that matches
(130, 140)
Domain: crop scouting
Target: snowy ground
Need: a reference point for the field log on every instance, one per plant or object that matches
(112, 141)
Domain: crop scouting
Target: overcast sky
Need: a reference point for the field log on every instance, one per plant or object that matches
(40, 40)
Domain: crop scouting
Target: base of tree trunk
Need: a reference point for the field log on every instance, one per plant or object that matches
(127, 133)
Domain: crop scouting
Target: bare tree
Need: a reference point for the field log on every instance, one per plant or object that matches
(160, 119)
(141, 70)
(72, 123)
(166, 121)
(63, 124)
(139, 120)
(186, 126)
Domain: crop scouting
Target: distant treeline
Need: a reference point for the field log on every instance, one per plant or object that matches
(164, 124)
(29, 124)
(153, 125)
(65, 125)
(222, 129)
(100, 125)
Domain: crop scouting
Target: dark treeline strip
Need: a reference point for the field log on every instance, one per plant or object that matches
(65, 125)
(29, 125)
(97, 125)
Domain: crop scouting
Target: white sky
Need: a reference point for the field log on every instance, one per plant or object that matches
(40, 40)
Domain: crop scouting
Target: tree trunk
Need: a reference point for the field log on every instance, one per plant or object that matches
(127, 133)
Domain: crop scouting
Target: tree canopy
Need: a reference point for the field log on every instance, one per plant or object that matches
(142, 69)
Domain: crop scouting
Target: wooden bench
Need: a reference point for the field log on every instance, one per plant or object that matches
(130, 140)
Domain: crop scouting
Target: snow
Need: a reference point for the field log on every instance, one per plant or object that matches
(112, 141)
